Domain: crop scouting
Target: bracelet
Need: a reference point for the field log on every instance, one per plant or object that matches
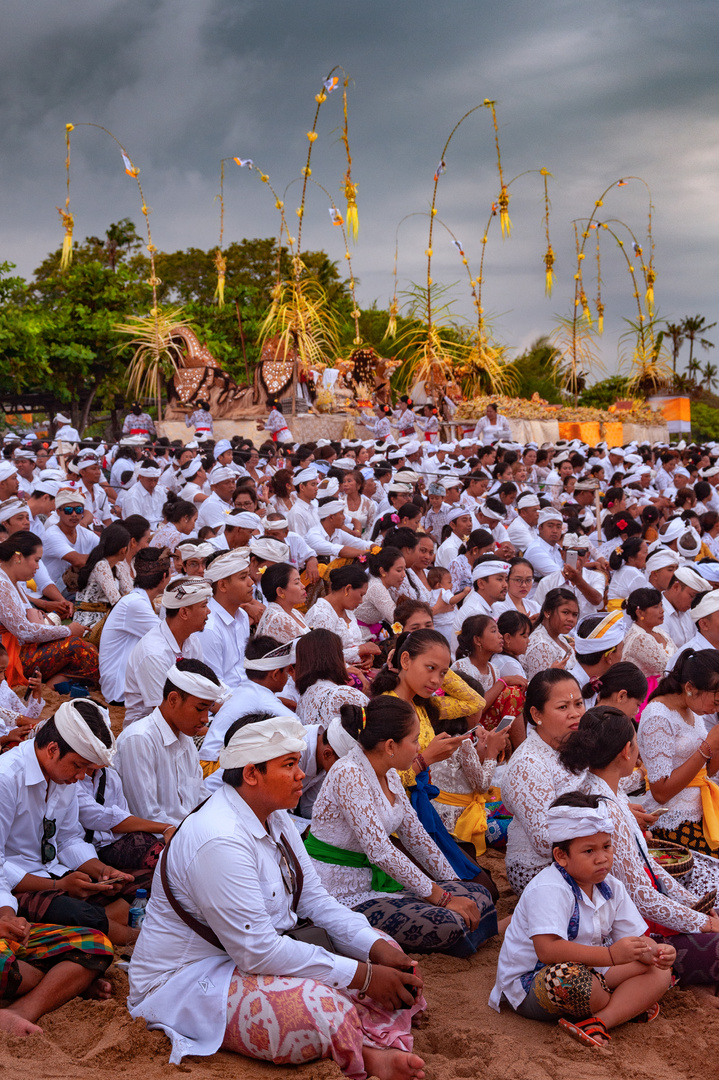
(367, 980)
(421, 762)
(502, 682)
(705, 750)
(446, 897)
(611, 958)
(165, 831)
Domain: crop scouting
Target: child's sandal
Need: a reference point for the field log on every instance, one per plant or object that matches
(585, 1030)
(648, 1015)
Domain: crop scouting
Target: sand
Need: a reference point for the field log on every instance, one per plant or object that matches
(463, 1037)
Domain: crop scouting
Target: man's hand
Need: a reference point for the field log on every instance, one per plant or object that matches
(389, 986)
(389, 955)
(82, 887)
(15, 928)
(255, 610)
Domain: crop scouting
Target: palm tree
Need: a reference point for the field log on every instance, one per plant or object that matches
(675, 333)
(710, 373)
(693, 369)
(693, 328)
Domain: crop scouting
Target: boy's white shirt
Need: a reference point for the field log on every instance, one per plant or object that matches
(546, 907)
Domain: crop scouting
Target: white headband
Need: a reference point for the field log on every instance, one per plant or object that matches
(485, 569)
(265, 550)
(334, 507)
(306, 476)
(191, 468)
(68, 497)
(197, 685)
(573, 540)
(487, 512)
(11, 507)
(691, 579)
(708, 570)
(458, 512)
(149, 471)
(220, 473)
(548, 515)
(274, 660)
(244, 520)
(276, 525)
(263, 741)
(195, 551)
(190, 591)
(527, 500)
(340, 740)
(72, 726)
(328, 487)
(224, 566)
(708, 605)
(661, 559)
(605, 636)
(7, 470)
(571, 822)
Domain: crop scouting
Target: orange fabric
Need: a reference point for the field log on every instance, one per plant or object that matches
(15, 675)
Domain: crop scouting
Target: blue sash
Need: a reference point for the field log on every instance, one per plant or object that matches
(421, 796)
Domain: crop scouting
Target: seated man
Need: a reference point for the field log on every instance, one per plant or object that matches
(238, 868)
(55, 875)
(227, 631)
(157, 758)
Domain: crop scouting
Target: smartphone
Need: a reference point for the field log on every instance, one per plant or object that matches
(658, 813)
(571, 559)
(37, 674)
(504, 723)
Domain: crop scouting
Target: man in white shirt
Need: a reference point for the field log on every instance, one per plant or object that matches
(9, 481)
(459, 520)
(303, 515)
(489, 578)
(543, 553)
(227, 630)
(660, 568)
(684, 587)
(67, 544)
(131, 618)
(598, 644)
(302, 555)
(175, 637)
(157, 758)
(214, 510)
(24, 461)
(146, 497)
(41, 503)
(65, 432)
(236, 865)
(523, 530)
(96, 501)
(587, 585)
(705, 616)
(329, 539)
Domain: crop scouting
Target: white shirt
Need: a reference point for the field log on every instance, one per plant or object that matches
(448, 551)
(67, 433)
(96, 501)
(521, 534)
(25, 798)
(679, 625)
(129, 620)
(491, 433)
(331, 545)
(148, 665)
(160, 771)
(148, 504)
(55, 545)
(223, 642)
(545, 558)
(224, 869)
(508, 604)
(546, 907)
(557, 580)
(213, 512)
(300, 550)
(303, 517)
(251, 697)
(102, 819)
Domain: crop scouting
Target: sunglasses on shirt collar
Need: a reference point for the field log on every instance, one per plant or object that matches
(48, 851)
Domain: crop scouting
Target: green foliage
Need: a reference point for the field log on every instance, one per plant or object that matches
(705, 422)
(534, 372)
(605, 393)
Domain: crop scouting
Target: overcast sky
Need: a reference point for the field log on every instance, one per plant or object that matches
(591, 91)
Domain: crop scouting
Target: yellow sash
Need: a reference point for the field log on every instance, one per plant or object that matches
(613, 605)
(472, 822)
(710, 807)
(208, 767)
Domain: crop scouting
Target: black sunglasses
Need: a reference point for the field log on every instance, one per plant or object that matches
(48, 851)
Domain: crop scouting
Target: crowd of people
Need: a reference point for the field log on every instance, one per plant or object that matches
(339, 672)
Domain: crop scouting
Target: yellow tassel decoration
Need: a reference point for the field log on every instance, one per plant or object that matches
(504, 221)
(651, 278)
(549, 263)
(352, 217)
(221, 268)
(66, 256)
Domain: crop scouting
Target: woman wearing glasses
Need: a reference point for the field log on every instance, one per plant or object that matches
(67, 544)
(57, 652)
(520, 580)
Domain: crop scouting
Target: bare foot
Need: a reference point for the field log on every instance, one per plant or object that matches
(392, 1064)
(706, 996)
(13, 1024)
(99, 990)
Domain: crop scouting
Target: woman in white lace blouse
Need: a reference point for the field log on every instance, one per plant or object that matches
(336, 612)
(647, 644)
(282, 587)
(360, 509)
(100, 582)
(549, 645)
(386, 571)
(679, 753)
(322, 680)
(362, 803)
(605, 743)
(534, 777)
(180, 521)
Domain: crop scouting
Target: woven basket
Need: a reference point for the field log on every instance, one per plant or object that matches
(674, 858)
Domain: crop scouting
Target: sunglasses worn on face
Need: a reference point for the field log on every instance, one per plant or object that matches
(48, 851)
(73, 510)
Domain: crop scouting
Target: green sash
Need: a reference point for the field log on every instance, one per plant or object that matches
(337, 856)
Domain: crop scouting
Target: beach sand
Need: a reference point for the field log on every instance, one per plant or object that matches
(463, 1037)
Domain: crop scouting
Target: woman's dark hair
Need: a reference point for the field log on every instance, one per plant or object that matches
(708, 520)
(136, 525)
(384, 718)
(20, 543)
(383, 560)
(540, 688)
(407, 400)
(553, 600)
(458, 725)
(628, 550)
(91, 714)
(194, 667)
(477, 539)
(414, 644)
(319, 655)
(511, 622)
(407, 606)
(518, 560)
(175, 508)
(650, 516)
(621, 676)
(384, 523)
(579, 799)
(621, 524)
(614, 495)
(274, 578)
(343, 576)
(150, 567)
(401, 538)
(112, 540)
(702, 490)
(358, 478)
(408, 512)
(700, 667)
(640, 600)
(472, 627)
(603, 733)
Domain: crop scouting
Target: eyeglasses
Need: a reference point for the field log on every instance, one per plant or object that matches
(73, 510)
(522, 580)
(48, 851)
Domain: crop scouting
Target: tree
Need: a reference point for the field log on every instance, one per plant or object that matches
(693, 327)
(693, 369)
(534, 372)
(675, 333)
(709, 373)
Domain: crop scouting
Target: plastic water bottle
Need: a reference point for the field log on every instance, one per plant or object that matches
(137, 911)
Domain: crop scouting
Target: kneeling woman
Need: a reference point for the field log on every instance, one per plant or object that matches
(361, 804)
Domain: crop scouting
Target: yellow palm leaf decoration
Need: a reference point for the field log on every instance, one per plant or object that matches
(157, 356)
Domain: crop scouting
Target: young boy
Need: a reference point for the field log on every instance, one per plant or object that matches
(575, 948)
(436, 517)
(440, 582)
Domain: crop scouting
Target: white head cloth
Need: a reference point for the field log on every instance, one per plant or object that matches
(244, 520)
(191, 468)
(328, 487)
(278, 658)
(487, 512)
(340, 740)
(675, 528)
(190, 591)
(74, 730)
(11, 507)
(263, 741)
(222, 447)
(195, 551)
(47, 487)
(220, 473)
(227, 564)
(571, 822)
(197, 685)
(661, 559)
(526, 500)
(548, 515)
(68, 497)
(485, 569)
(605, 636)
(7, 469)
(266, 550)
(334, 507)
(708, 605)
(457, 512)
(152, 472)
(60, 418)
(573, 540)
(305, 476)
(691, 579)
(276, 525)
(708, 570)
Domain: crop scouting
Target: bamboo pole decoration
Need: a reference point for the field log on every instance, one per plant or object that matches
(67, 218)
(598, 514)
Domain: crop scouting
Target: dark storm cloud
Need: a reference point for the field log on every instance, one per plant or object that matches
(591, 91)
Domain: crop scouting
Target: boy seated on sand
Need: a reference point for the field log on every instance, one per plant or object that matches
(575, 949)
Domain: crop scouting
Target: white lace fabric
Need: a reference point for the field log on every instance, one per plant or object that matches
(102, 587)
(646, 652)
(461, 774)
(377, 606)
(352, 812)
(13, 618)
(280, 625)
(324, 699)
(542, 652)
(665, 742)
(323, 615)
